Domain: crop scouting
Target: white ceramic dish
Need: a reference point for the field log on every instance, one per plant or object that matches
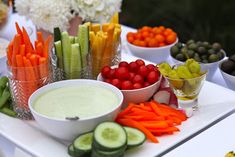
(155, 55)
(68, 129)
(229, 79)
(29, 137)
(138, 95)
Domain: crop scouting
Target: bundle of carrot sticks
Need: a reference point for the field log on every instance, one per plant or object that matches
(28, 63)
(152, 118)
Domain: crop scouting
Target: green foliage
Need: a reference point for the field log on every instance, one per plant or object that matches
(204, 20)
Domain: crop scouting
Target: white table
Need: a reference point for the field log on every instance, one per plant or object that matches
(8, 149)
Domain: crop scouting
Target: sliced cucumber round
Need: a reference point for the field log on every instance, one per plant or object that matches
(117, 153)
(134, 137)
(109, 136)
(82, 144)
(71, 150)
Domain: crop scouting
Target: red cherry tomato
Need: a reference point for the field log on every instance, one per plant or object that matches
(123, 64)
(122, 73)
(151, 67)
(146, 84)
(105, 71)
(152, 77)
(111, 74)
(143, 71)
(137, 86)
(140, 62)
(131, 76)
(138, 79)
(133, 67)
(126, 85)
(107, 81)
(117, 83)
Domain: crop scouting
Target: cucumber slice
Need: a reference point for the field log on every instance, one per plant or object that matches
(75, 66)
(71, 150)
(66, 47)
(59, 53)
(82, 144)
(134, 137)
(109, 136)
(83, 38)
(116, 153)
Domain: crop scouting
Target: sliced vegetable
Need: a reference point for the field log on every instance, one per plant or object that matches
(59, 54)
(82, 144)
(134, 137)
(75, 67)
(109, 136)
(83, 38)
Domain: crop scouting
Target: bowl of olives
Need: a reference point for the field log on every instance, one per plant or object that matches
(227, 69)
(208, 55)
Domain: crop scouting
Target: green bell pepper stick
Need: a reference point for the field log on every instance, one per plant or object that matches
(4, 97)
(8, 112)
(3, 81)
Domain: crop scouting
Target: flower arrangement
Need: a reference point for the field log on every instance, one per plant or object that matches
(47, 14)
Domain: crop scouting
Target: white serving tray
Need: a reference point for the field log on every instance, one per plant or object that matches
(215, 103)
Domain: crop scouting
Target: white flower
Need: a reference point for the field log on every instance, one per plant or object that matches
(97, 10)
(23, 6)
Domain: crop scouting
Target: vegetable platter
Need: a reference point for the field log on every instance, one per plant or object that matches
(30, 138)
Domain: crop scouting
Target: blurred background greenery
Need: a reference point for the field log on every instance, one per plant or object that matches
(205, 20)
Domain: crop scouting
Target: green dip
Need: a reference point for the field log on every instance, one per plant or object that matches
(70, 101)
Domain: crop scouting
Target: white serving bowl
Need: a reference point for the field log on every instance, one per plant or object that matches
(155, 55)
(229, 79)
(68, 129)
(210, 67)
(137, 95)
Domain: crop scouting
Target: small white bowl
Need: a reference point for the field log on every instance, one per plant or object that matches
(68, 129)
(137, 95)
(155, 55)
(210, 67)
(229, 79)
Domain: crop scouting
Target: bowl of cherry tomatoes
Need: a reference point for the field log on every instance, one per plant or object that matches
(152, 43)
(137, 81)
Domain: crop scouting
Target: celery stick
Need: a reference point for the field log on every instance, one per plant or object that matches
(75, 67)
(59, 54)
(83, 38)
(76, 40)
(72, 39)
(57, 34)
(66, 47)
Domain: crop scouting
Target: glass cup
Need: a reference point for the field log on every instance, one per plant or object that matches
(187, 90)
(99, 59)
(23, 82)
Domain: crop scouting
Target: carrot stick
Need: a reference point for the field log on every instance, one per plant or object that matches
(46, 47)
(20, 70)
(126, 110)
(10, 53)
(28, 44)
(156, 109)
(34, 61)
(22, 50)
(18, 29)
(43, 67)
(165, 130)
(40, 37)
(155, 124)
(39, 49)
(135, 124)
(16, 44)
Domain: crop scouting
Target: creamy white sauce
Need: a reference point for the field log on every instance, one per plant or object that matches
(82, 101)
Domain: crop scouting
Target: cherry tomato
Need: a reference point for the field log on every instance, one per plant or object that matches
(131, 75)
(140, 62)
(116, 82)
(146, 84)
(151, 67)
(143, 71)
(107, 80)
(123, 64)
(152, 77)
(111, 74)
(137, 86)
(122, 73)
(138, 79)
(126, 85)
(105, 71)
(133, 67)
